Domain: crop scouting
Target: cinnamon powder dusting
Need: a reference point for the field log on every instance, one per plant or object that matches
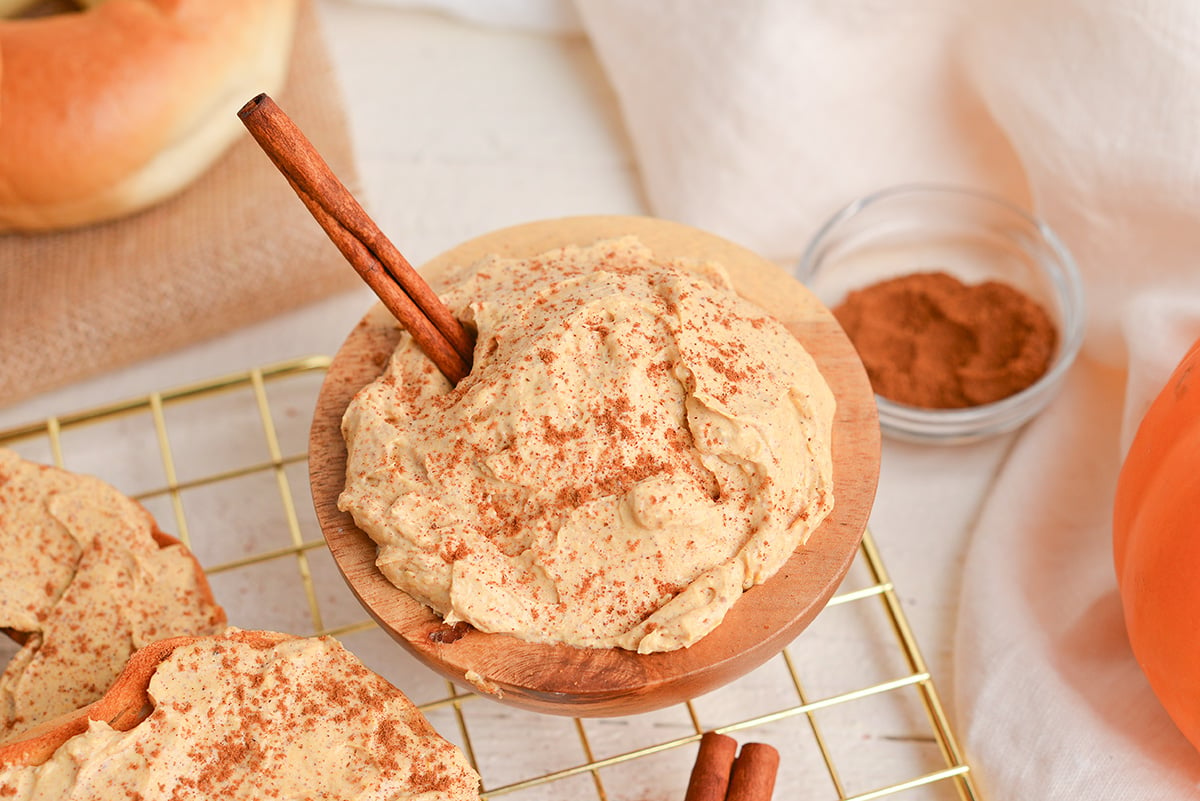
(618, 404)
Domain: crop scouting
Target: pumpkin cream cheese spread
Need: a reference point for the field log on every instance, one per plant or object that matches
(635, 446)
(85, 580)
(264, 716)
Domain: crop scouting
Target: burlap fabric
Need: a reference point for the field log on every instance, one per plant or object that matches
(233, 248)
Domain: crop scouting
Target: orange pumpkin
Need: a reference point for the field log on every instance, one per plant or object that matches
(1156, 545)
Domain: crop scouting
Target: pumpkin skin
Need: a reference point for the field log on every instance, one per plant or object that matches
(1156, 545)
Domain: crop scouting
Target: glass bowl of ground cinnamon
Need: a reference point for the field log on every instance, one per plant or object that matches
(965, 309)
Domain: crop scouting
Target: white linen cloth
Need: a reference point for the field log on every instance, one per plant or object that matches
(758, 119)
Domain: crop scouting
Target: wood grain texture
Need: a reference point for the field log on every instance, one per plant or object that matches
(559, 679)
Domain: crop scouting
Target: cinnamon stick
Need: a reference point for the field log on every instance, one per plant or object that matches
(710, 774)
(380, 264)
(753, 775)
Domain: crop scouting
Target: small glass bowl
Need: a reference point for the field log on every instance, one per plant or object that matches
(975, 237)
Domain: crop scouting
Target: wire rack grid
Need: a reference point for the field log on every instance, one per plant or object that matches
(850, 704)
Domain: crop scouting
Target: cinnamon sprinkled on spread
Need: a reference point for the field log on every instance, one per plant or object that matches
(634, 447)
(83, 576)
(286, 718)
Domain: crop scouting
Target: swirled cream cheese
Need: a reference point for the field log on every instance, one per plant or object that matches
(271, 717)
(635, 446)
(84, 583)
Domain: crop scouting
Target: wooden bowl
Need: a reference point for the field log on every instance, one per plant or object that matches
(560, 679)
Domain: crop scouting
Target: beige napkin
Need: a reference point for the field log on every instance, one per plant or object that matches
(233, 248)
(759, 119)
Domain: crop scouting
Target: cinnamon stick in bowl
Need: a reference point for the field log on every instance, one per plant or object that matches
(373, 256)
(659, 659)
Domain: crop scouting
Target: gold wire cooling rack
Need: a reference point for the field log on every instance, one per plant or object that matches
(850, 704)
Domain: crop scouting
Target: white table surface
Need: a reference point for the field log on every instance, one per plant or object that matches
(461, 129)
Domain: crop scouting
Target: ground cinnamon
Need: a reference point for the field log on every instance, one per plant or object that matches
(929, 340)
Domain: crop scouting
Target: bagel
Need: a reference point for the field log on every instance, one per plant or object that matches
(243, 714)
(107, 110)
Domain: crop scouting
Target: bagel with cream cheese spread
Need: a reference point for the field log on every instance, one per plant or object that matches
(86, 579)
(240, 715)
